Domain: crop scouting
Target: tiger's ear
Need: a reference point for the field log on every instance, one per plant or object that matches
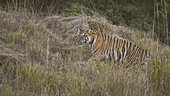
(80, 29)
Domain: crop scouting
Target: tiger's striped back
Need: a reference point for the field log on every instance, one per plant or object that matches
(112, 47)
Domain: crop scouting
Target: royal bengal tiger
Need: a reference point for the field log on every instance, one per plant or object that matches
(112, 47)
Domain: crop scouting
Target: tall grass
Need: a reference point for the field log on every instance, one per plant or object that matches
(39, 56)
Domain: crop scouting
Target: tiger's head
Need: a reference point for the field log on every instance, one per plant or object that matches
(84, 36)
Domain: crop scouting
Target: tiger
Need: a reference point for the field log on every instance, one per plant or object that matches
(111, 47)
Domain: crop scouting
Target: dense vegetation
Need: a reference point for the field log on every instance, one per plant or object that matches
(146, 15)
(39, 54)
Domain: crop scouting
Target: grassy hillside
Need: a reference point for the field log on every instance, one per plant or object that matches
(144, 15)
(39, 56)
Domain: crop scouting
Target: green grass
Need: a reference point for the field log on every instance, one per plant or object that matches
(39, 56)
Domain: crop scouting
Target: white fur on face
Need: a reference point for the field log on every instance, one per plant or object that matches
(89, 39)
(82, 34)
(89, 31)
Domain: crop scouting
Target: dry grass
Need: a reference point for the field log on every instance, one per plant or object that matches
(39, 56)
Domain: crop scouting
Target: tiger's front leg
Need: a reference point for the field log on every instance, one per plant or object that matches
(95, 57)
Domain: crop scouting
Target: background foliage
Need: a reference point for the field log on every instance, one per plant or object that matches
(146, 15)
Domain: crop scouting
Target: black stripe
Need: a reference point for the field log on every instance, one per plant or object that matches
(145, 52)
(134, 46)
(107, 45)
(127, 44)
(130, 45)
(117, 42)
(96, 50)
(102, 36)
(113, 41)
(123, 49)
(113, 45)
(110, 48)
(105, 37)
(142, 54)
(108, 38)
(129, 48)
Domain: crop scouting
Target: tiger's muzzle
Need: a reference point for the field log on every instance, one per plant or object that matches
(82, 42)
